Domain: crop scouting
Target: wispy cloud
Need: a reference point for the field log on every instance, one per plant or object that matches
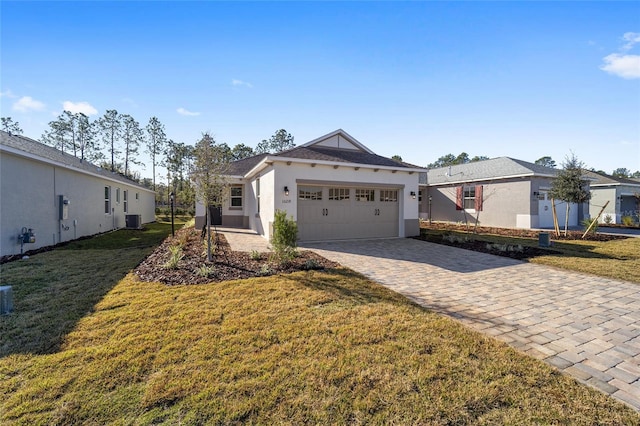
(7, 94)
(27, 103)
(184, 111)
(623, 64)
(237, 82)
(75, 107)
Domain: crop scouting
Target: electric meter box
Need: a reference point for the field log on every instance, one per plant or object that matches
(63, 206)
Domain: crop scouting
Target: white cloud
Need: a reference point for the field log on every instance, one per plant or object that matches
(631, 39)
(625, 66)
(7, 94)
(237, 82)
(75, 107)
(27, 103)
(183, 111)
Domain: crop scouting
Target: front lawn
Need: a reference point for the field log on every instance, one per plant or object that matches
(309, 347)
(617, 258)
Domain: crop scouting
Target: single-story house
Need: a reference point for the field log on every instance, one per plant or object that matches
(501, 192)
(334, 187)
(48, 197)
(622, 194)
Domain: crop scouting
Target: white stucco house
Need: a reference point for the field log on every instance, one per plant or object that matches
(334, 187)
(60, 198)
(501, 192)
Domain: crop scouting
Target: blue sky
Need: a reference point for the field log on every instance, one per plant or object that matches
(417, 79)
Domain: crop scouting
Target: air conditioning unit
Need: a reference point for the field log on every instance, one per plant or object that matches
(133, 221)
(6, 300)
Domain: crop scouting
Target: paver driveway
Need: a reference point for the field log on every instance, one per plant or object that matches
(586, 326)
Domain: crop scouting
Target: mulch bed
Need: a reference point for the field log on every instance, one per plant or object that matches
(226, 264)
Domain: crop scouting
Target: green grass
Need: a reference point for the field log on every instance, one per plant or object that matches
(619, 259)
(311, 347)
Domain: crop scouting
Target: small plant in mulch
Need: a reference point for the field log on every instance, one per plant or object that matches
(175, 256)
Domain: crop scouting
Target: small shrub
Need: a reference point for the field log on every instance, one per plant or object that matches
(608, 219)
(285, 231)
(627, 220)
(265, 270)
(283, 256)
(176, 255)
(454, 239)
(255, 255)
(311, 264)
(206, 271)
(587, 223)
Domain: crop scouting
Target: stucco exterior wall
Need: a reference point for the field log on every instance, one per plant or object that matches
(30, 191)
(599, 196)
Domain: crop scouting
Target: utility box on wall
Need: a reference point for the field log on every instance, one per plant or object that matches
(63, 206)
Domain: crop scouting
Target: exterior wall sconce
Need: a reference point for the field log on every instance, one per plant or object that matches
(413, 194)
(286, 191)
(536, 193)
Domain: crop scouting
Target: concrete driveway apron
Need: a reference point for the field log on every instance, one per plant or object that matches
(586, 326)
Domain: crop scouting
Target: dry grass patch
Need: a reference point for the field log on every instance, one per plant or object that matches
(310, 347)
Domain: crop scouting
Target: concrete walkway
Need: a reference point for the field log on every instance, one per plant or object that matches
(586, 326)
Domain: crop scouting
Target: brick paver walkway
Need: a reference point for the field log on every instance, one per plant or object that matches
(586, 326)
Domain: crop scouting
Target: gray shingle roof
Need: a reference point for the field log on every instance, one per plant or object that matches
(495, 168)
(323, 153)
(45, 152)
(602, 179)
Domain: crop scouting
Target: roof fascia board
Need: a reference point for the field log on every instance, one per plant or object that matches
(346, 135)
(341, 164)
(34, 157)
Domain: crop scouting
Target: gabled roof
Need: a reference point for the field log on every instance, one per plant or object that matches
(337, 147)
(29, 148)
(495, 168)
(599, 179)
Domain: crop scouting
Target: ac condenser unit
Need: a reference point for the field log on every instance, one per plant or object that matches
(133, 221)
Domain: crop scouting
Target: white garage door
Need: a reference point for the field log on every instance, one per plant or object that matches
(334, 213)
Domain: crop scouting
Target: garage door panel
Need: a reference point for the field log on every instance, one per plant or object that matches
(347, 213)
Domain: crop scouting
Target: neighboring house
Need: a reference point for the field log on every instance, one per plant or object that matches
(334, 187)
(500, 192)
(622, 194)
(60, 197)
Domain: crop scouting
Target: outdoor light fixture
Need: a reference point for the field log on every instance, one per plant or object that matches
(413, 194)
(286, 190)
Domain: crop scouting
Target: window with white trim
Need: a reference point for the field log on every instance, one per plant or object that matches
(469, 198)
(365, 194)
(118, 195)
(389, 195)
(339, 194)
(258, 194)
(107, 200)
(236, 197)
(125, 200)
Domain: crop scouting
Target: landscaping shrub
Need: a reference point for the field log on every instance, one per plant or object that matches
(285, 235)
(587, 222)
(608, 219)
(627, 220)
(175, 257)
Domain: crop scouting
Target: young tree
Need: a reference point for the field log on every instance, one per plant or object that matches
(241, 151)
(110, 126)
(546, 161)
(209, 172)
(280, 141)
(570, 186)
(10, 126)
(621, 172)
(156, 142)
(132, 138)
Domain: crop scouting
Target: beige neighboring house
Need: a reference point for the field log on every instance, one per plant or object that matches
(622, 194)
(61, 198)
(334, 187)
(500, 192)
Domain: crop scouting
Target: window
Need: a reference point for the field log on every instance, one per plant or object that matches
(339, 194)
(469, 198)
(258, 194)
(137, 196)
(389, 195)
(419, 195)
(118, 195)
(125, 199)
(309, 193)
(236, 196)
(365, 195)
(107, 200)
